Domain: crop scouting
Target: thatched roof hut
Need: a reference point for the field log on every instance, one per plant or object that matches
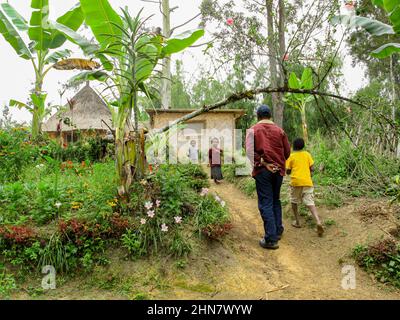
(84, 112)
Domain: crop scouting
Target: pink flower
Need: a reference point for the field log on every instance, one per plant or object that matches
(142, 221)
(217, 198)
(150, 213)
(349, 5)
(148, 205)
(158, 202)
(229, 21)
(286, 57)
(164, 228)
(178, 219)
(204, 192)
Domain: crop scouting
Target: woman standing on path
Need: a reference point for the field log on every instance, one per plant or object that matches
(215, 159)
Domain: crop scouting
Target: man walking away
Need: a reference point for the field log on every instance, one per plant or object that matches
(268, 148)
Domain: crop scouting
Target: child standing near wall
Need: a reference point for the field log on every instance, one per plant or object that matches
(300, 166)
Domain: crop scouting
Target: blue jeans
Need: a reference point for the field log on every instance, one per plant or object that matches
(268, 187)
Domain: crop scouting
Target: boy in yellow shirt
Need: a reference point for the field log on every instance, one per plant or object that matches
(300, 166)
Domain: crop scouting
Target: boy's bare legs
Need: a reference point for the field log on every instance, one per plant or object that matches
(295, 209)
(314, 212)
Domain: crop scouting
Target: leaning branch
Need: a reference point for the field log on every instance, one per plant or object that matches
(250, 94)
(185, 23)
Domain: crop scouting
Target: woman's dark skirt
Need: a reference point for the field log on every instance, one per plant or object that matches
(216, 173)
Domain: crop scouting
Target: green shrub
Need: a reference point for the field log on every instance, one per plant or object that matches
(56, 254)
(180, 246)
(16, 152)
(382, 259)
(209, 212)
(131, 240)
(246, 184)
(194, 175)
(7, 283)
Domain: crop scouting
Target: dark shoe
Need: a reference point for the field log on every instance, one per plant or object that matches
(279, 237)
(320, 230)
(268, 244)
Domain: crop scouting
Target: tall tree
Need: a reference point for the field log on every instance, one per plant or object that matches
(166, 68)
(167, 32)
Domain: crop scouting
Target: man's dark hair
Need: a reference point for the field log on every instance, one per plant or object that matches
(264, 112)
(298, 144)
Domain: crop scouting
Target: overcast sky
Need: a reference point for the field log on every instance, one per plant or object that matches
(17, 74)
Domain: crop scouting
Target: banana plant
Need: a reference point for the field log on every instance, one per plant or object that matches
(378, 28)
(300, 101)
(129, 55)
(43, 50)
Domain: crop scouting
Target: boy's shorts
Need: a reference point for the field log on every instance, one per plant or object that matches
(302, 194)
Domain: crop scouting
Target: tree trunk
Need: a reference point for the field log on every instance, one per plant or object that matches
(273, 69)
(276, 53)
(130, 160)
(35, 123)
(37, 114)
(282, 49)
(166, 69)
(304, 124)
(395, 79)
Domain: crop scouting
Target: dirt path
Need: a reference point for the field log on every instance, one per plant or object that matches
(304, 267)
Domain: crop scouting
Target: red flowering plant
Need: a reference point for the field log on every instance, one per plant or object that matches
(17, 235)
(78, 231)
(217, 231)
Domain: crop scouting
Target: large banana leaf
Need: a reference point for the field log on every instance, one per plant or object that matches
(39, 28)
(374, 27)
(182, 41)
(73, 19)
(307, 79)
(390, 5)
(12, 36)
(104, 22)
(149, 50)
(20, 105)
(88, 76)
(386, 50)
(87, 47)
(58, 55)
(18, 21)
(294, 82)
(393, 8)
(107, 65)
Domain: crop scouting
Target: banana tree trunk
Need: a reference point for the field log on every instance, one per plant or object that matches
(38, 104)
(304, 124)
(35, 123)
(130, 160)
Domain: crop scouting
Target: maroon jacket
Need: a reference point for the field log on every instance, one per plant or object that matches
(267, 141)
(214, 157)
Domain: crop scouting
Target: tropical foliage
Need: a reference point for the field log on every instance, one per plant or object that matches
(44, 48)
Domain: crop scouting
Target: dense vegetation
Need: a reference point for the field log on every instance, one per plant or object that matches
(67, 214)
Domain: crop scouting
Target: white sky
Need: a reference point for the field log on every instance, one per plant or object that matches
(17, 74)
